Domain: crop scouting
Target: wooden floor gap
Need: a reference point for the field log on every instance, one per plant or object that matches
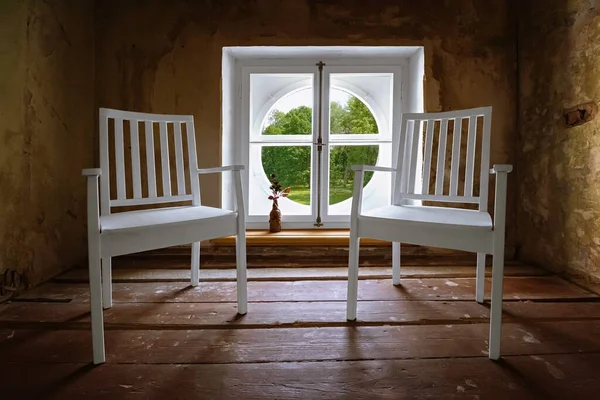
(40, 300)
(83, 326)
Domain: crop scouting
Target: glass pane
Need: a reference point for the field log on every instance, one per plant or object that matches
(341, 176)
(290, 167)
(281, 104)
(292, 115)
(349, 115)
(360, 104)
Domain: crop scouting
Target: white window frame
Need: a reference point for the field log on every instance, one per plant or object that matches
(239, 61)
(246, 134)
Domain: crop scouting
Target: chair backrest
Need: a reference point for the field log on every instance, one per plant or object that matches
(448, 174)
(136, 180)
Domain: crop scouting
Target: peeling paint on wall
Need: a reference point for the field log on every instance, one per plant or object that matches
(580, 114)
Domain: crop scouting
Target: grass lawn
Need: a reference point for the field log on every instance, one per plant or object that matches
(301, 194)
(339, 194)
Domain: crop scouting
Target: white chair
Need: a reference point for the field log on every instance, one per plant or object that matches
(113, 234)
(407, 221)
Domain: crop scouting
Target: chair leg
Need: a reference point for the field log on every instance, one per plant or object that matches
(480, 280)
(496, 306)
(195, 272)
(396, 263)
(96, 303)
(352, 299)
(107, 282)
(242, 286)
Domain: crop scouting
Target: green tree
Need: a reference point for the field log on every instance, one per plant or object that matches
(337, 117)
(297, 121)
(354, 118)
(292, 164)
(359, 119)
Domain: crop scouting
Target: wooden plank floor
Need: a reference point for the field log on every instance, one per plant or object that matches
(424, 339)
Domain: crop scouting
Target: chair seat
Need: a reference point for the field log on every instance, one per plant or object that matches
(438, 216)
(161, 217)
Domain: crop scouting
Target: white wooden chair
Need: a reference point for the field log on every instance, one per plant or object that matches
(406, 221)
(113, 234)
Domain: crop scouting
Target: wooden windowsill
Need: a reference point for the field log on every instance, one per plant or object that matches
(298, 237)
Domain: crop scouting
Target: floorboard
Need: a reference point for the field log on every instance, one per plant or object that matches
(299, 344)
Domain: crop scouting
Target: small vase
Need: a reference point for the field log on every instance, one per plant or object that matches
(275, 218)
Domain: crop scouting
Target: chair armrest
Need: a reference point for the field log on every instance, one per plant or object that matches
(501, 168)
(221, 169)
(372, 168)
(359, 174)
(91, 172)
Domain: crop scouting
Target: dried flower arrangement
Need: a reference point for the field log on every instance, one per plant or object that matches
(276, 189)
(276, 193)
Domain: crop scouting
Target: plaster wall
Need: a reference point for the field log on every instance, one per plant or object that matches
(558, 216)
(46, 126)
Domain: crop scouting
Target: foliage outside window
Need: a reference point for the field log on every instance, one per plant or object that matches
(292, 163)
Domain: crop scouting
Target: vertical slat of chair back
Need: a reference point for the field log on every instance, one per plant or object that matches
(457, 133)
(439, 181)
(179, 160)
(151, 167)
(448, 174)
(135, 181)
(136, 171)
(193, 162)
(164, 159)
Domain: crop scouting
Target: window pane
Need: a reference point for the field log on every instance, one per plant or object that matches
(341, 176)
(349, 115)
(281, 104)
(291, 167)
(291, 115)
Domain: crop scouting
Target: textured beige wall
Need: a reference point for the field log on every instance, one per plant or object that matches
(165, 56)
(559, 167)
(46, 123)
(14, 217)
